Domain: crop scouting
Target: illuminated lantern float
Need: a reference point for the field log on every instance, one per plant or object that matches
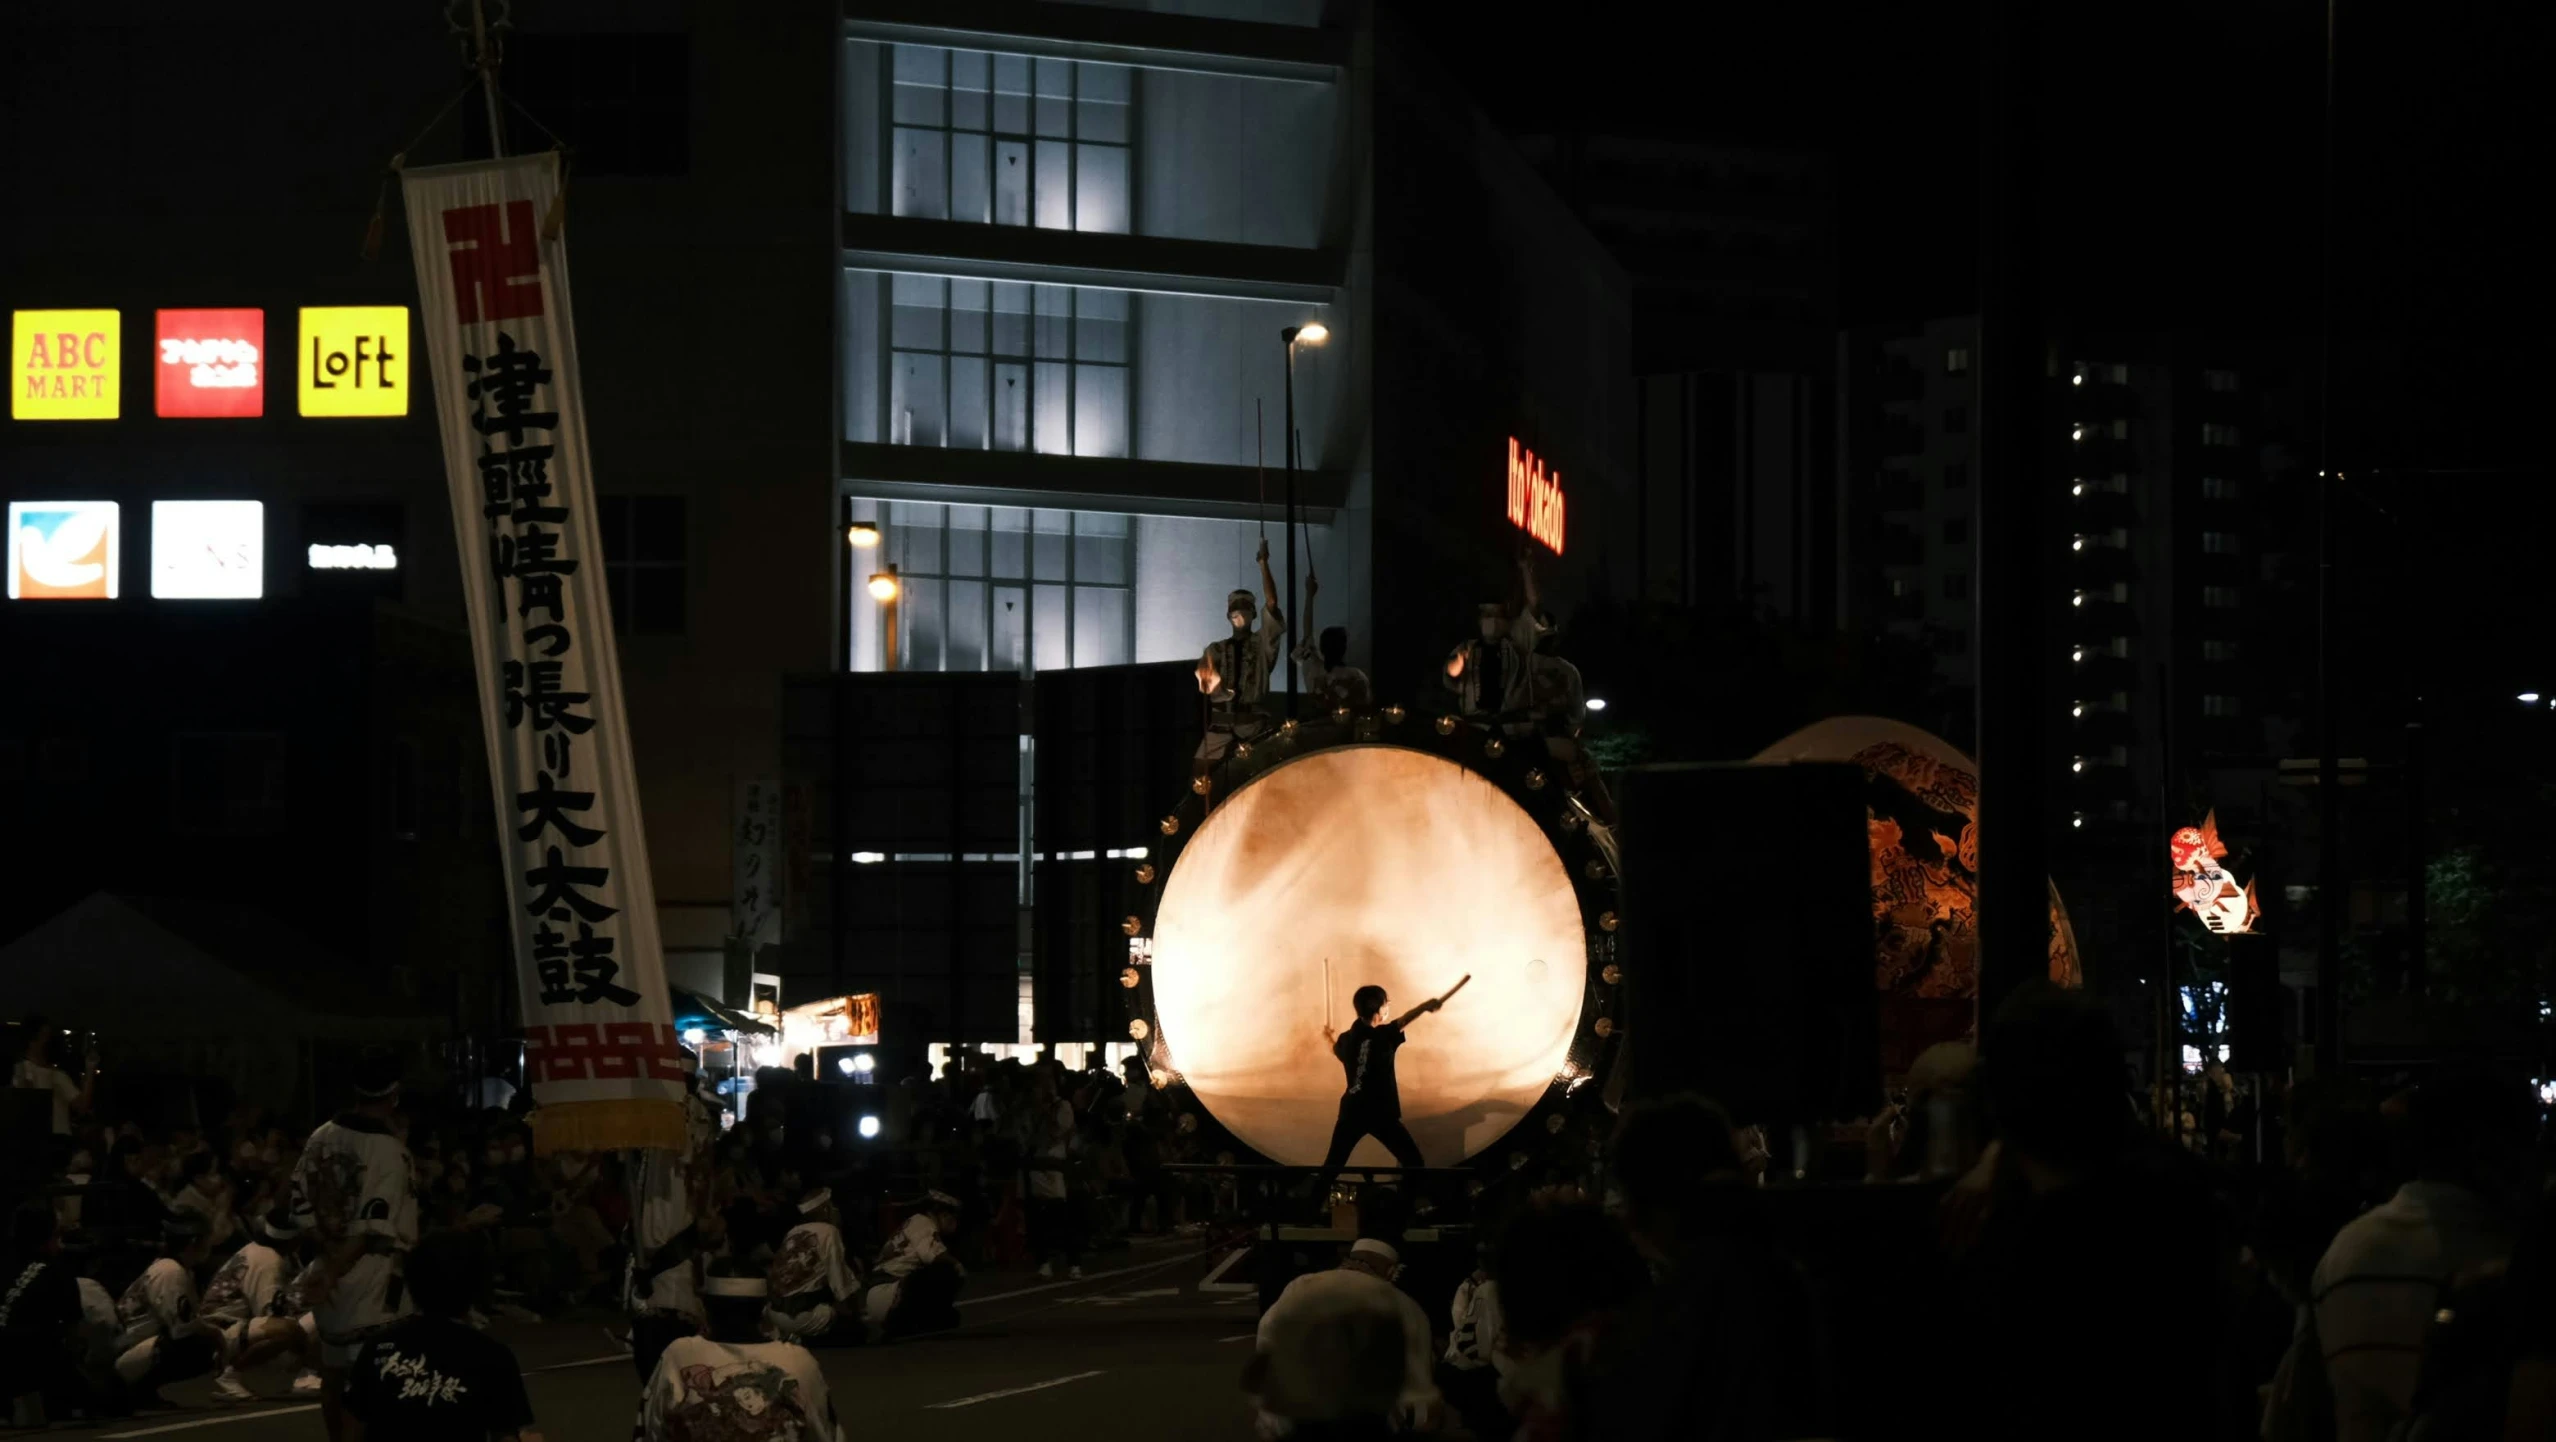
(1402, 852)
(1922, 820)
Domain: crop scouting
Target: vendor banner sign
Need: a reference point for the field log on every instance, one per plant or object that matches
(493, 284)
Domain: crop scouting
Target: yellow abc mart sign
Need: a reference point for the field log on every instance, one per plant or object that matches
(65, 365)
(354, 360)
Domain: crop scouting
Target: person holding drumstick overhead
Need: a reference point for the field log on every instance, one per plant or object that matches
(1372, 1106)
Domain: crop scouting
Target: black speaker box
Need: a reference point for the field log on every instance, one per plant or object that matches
(1748, 939)
(2256, 1016)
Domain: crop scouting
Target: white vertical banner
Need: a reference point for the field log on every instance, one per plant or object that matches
(601, 1052)
(755, 882)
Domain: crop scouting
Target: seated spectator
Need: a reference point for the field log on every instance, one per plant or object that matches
(1332, 1365)
(815, 1299)
(1726, 1344)
(2100, 1270)
(1376, 1256)
(40, 1341)
(165, 1336)
(916, 1283)
(259, 1315)
(203, 1190)
(1567, 1273)
(1470, 1371)
(731, 1383)
(2387, 1271)
(432, 1377)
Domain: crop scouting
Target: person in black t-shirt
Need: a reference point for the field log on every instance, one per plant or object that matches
(40, 1342)
(431, 1378)
(1372, 1105)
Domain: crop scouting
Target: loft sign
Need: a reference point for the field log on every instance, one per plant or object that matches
(1535, 497)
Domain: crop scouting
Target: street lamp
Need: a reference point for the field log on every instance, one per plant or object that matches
(1310, 333)
(885, 588)
(863, 536)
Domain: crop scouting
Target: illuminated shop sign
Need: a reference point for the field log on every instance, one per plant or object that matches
(358, 557)
(354, 360)
(65, 365)
(1535, 497)
(64, 550)
(210, 363)
(208, 550)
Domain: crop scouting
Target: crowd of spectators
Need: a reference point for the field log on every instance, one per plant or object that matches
(2036, 1251)
(1042, 1165)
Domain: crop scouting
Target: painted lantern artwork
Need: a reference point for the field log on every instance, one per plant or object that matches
(1922, 821)
(2203, 887)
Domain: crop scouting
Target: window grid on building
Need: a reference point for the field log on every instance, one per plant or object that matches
(1010, 139)
(643, 543)
(1007, 366)
(999, 588)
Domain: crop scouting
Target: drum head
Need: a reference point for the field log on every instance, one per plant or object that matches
(1403, 870)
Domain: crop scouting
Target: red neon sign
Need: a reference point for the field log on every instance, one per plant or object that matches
(210, 363)
(1535, 497)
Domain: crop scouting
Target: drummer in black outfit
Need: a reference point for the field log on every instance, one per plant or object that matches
(1372, 1106)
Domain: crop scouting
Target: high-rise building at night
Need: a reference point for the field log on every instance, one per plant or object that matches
(2176, 565)
(1002, 283)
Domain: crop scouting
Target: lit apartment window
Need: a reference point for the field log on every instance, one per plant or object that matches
(1011, 139)
(2220, 596)
(2218, 488)
(2219, 543)
(2222, 381)
(2119, 374)
(2214, 704)
(2120, 648)
(1003, 366)
(1957, 361)
(2215, 433)
(994, 588)
(2218, 650)
(2121, 430)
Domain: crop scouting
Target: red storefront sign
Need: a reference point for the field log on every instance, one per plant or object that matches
(210, 363)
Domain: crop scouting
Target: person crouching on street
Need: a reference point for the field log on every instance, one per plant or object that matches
(732, 1383)
(918, 1279)
(815, 1299)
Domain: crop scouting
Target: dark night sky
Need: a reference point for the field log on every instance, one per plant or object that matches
(2180, 147)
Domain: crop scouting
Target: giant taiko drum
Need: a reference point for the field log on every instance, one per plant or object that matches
(1377, 864)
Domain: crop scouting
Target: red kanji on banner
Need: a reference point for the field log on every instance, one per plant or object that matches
(611, 1051)
(496, 267)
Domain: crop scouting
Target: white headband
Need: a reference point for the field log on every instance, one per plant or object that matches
(1374, 1248)
(815, 1201)
(734, 1287)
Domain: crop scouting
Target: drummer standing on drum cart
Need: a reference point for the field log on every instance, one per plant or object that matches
(1490, 674)
(1233, 673)
(1372, 1105)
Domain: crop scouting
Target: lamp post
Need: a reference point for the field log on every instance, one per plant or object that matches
(1310, 333)
(885, 588)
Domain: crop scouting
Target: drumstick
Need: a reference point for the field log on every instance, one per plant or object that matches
(1326, 991)
(1451, 991)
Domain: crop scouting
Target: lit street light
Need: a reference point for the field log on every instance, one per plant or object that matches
(863, 536)
(1597, 703)
(1310, 333)
(885, 588)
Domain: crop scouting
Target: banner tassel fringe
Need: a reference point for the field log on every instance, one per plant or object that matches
(607, 1126)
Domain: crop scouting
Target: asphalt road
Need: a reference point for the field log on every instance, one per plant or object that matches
(1135, 1346)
